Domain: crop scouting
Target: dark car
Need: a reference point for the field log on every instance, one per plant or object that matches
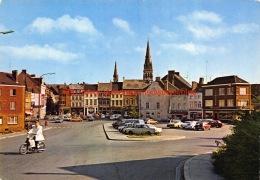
(216, 123)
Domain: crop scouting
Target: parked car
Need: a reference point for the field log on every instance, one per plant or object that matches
(151, 121)
(117, 123)
(76, 119)
(91, 118)
(115, 116)
(123, 126)
(184, 124)
(66, 118)
(142, 129)
(191, 125)
(103, 116)
(58, 120)
(216, 123)
(202, 126)
(174, 124)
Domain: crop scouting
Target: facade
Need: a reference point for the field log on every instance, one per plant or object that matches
(64, 99)
(154, 102)
(195, 110)
(224, 95)
(179, 90)
(77, 99)
(12, 106)
(90, 99)
(117, 98)
(104, 97)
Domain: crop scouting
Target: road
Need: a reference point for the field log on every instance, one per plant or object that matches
(80, 150)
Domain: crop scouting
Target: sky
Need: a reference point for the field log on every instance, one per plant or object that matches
(80, 40)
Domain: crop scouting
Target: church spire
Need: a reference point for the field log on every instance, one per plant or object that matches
(115, 76)
(148, 65)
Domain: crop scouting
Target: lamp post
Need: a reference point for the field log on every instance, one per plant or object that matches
(6, 32)
(40, 87)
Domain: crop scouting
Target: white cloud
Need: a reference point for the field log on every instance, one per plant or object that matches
(65, 23)
(124, 25)
(257, 0)
(194, 49)
(156, 31)
(139, 49)
(203, 24)
(36, 52)
(245, 28)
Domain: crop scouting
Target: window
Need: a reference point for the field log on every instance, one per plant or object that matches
(1, 120)
(12, 105)
(209, 103)
(113, 103)
(0, 105)
(12, 120)
(191, 105)
(242, 103)
(158, 105)
(221, 91)
(230, 102)
(242, 91)
(147, 105)
(221, 103)
(199, 104)
(179, 105)
(209, 92)
(230, 91)
(13, 92)
(0, 92)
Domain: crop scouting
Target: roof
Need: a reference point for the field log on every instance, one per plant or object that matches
(105, 86)
(92, 87)
(176, 80)
(117, 86)
(7, 79)
(135, 84)
(76, 86)
(226, 80)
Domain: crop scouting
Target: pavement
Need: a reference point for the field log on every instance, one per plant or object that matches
(196, 168)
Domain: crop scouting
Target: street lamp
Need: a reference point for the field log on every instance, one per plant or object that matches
(40, 87)
(6, 32)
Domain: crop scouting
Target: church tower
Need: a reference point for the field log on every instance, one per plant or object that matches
(115, 76)
(148, 65)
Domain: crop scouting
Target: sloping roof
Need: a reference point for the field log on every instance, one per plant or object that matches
(105, 86)
(117, 86)
(226, 80)
(7, 79)
(31, 84)
(176, 80)
(76, 86)
(135, 84)
(92, 87)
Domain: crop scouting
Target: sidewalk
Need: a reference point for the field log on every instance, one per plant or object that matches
(114, 134)
(15, 134)
(200, 168)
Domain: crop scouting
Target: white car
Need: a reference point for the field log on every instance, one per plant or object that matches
(191, 125)
(126, 125)
(142, 129)
(58, 120)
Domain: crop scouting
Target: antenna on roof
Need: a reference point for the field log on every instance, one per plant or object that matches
(206, 71)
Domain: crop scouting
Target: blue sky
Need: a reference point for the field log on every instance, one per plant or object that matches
(80, 40)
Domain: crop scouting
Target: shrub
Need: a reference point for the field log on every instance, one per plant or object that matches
(239, 157)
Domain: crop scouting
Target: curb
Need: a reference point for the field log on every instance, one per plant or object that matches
(186, 168)
(19, 134)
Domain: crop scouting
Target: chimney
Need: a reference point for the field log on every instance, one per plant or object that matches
(157, 79)
(24, 71)
(33, 75)
(194, 85)
(201, 82)
(15, 75)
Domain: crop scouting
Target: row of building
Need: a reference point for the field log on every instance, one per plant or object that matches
(24, 97)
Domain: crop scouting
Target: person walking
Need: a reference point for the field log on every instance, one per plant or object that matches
(46, 124)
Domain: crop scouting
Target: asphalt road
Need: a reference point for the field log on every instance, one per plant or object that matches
(80, 150)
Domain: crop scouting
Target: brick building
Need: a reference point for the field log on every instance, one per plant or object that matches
(12, 106)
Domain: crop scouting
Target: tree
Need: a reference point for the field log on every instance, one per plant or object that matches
(133, 113)
(239, 157)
